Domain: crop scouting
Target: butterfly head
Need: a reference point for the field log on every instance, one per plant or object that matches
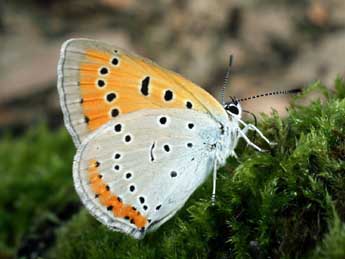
(233, 108)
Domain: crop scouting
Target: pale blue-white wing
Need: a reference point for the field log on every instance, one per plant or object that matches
(135, 172)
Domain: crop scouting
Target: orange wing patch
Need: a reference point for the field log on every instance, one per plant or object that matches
(111, 201)
(115, 88)
(98, 82)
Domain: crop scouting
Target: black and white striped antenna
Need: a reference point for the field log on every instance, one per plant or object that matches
(226, 78)
(277, 92)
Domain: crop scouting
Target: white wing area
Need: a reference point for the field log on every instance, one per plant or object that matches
(152, 159)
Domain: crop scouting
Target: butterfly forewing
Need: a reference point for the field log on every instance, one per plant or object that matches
(98, 82)
(136, 171)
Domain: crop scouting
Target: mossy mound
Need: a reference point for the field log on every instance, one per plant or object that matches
(36, 191)
(287, 202)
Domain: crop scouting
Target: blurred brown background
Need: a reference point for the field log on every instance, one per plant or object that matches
(277, 45)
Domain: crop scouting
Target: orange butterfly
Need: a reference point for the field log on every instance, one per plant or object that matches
(146, 136)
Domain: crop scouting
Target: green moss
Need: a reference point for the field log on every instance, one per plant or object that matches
(287, 202)
(332, 246)
(35, 183)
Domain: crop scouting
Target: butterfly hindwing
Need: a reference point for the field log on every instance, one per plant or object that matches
(98, 82)
(136, 171)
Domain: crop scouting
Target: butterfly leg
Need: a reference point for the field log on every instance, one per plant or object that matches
(243, 135)
(252, 127)
(213, 197)
(232, 153)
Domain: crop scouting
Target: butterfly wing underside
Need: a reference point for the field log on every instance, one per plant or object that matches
(136, 171)
(98, 82)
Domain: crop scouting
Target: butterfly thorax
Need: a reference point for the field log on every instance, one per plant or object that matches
(227, 141)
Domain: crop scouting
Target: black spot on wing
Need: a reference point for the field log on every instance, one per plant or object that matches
(144, 89)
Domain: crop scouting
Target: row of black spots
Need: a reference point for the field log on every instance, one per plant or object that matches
(132, 188)
(163, 121)
(142, 200)
(117, 156)
(114, 112)
(168, 94)
(173, 174)
(127, 138)
(101, 83)
(144, 88)
(114, 61)
(128, 175)
(110, 97)
(103, 71)
(190, 125)
(97, 164)
(117, 168)
(166, 148)
(118, 128)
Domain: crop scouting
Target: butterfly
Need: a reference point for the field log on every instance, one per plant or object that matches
(146, 137)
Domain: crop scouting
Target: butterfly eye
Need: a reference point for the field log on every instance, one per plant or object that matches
(233, 109)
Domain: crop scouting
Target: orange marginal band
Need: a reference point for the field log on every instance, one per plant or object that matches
(110, 200)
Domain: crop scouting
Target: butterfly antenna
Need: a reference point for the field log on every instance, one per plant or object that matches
(226, 78)
(283, 92)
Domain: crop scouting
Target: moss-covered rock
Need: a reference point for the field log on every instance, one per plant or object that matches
(287, 202)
